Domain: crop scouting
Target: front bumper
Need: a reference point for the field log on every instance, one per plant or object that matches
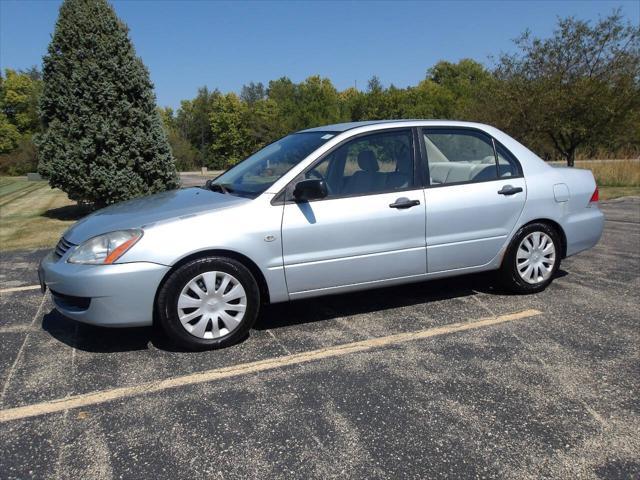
(118, 295)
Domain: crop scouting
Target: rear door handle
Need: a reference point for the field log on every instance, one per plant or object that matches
(509, 190)
(404, 203)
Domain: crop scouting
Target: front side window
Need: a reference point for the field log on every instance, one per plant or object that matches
(459, 156)
(376, 163)
(257, 173)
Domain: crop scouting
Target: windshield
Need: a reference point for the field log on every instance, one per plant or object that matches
(254, 175)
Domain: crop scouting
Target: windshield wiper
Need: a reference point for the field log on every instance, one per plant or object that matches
(226, 188)
(220, 187)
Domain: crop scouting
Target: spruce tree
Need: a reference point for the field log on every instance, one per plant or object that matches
(103, 140)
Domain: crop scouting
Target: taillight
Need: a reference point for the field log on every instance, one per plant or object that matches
(596, 196)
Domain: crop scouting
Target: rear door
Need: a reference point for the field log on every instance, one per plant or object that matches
(475, 195)
(370, 228)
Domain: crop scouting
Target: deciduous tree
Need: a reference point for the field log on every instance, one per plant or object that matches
(229, 144)
(578, 87)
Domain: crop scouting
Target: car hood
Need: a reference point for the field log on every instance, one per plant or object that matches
(140, 212)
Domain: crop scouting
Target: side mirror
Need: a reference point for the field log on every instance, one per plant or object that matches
(310, 190)
(208, 183)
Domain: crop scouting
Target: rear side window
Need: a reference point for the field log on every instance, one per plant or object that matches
(508, 166)
(459, 156)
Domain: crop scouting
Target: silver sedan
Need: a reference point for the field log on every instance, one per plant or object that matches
(323, 211)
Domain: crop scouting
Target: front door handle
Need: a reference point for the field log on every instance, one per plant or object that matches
(404, 202)
(509, 190)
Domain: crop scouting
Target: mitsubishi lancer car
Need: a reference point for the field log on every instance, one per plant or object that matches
(323, 211)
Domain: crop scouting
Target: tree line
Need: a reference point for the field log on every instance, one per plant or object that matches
(576, 93)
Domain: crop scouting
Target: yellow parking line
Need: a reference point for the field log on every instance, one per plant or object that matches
(19, 289)
(103, 396)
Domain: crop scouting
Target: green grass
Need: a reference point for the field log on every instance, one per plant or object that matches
(33, 215)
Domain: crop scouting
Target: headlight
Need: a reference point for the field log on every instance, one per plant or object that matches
(107, 248)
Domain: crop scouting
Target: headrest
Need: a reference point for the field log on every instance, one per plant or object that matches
(367, 161)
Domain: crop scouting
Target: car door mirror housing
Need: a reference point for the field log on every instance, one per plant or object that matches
(312, 189)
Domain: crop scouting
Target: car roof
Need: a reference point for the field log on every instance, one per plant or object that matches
(343, 127)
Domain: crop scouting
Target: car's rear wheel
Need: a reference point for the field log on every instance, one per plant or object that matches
(532, 259)
(208, 303)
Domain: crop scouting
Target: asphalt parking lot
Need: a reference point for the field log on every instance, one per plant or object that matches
(447, 379)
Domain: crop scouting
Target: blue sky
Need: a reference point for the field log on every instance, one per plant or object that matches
(187, 44)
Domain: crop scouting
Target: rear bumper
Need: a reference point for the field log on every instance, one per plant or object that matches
(119, 295)
(583, 230)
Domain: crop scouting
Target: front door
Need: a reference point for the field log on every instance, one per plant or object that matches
(475, 197)
(371, 226)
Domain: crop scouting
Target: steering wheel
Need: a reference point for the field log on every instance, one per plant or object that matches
(313, 173)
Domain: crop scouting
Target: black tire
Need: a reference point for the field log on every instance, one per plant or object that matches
(167, 302)
(509, 276)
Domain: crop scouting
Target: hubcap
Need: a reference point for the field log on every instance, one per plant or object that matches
(536, 258)
(212, 305)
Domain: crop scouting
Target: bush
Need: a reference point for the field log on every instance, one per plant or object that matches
(187, 157)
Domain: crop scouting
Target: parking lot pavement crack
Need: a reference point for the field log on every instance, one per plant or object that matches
(595, 414)
(61, 444)
(279, 342)
(482, 304)
(64, 441)
(20, 352)
(318, 442)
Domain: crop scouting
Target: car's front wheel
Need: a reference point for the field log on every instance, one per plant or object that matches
(208, 303)
(532, 259)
